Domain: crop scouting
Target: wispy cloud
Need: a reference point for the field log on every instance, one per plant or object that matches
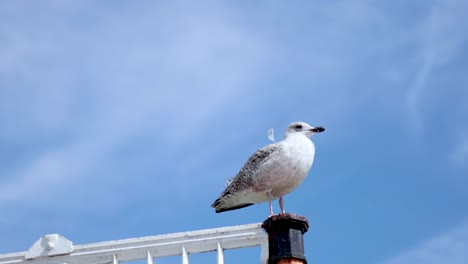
(450, 247)
(461, 152)
(416, 90)
(441, 41)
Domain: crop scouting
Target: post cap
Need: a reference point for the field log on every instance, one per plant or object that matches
(287, 220)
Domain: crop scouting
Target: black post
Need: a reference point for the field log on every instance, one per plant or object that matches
(285, 238)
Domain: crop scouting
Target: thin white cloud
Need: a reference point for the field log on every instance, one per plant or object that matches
(416, 90)
(450, 247)
(37, 182)
(441, 41)
(461, 152)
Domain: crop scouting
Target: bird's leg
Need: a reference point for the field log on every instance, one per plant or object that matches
(281, 204)
(270, 199)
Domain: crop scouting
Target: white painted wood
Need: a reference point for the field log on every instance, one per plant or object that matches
(264, 251)
(184, 256)
(50, 245)
(193, 242)
(220, 254)
(149, 258)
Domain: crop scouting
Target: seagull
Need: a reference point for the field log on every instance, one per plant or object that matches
(272, 171)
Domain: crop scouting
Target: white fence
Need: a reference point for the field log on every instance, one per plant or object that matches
(55, 249)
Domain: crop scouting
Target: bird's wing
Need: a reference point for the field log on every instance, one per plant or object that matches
(232, 198)
(244, 178)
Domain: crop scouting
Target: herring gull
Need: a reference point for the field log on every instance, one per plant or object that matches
(272, 171)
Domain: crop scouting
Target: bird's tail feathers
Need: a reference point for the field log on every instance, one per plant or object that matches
(228, 202)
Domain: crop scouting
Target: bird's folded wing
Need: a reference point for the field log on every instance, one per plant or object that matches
(244, 179)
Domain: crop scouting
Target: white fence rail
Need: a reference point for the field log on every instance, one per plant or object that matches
(55, 249)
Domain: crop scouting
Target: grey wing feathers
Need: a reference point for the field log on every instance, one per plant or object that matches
(243, 180)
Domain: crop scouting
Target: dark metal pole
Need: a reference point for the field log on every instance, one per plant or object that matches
(285, 238)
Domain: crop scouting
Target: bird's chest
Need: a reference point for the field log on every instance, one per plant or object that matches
(286, 171)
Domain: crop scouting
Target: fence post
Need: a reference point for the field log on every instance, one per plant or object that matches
(285, 238)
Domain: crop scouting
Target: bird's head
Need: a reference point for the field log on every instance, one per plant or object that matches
(302, 128)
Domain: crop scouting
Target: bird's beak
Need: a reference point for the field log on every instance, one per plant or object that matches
(317, 129)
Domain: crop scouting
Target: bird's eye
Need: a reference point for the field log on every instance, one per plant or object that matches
(298, 127)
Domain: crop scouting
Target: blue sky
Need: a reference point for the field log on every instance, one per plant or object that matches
(124, 118)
